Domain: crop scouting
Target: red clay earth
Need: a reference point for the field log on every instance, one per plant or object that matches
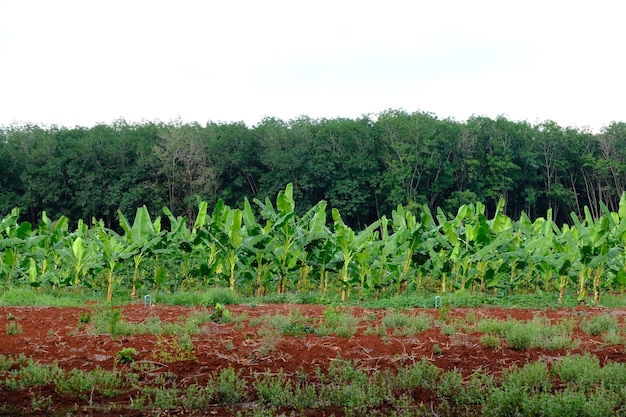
(52, 334)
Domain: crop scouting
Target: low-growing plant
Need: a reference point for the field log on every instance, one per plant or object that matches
(579, 372)
(444, 309)
(494, 326)
(75, 382)
(566, 403)
(450, 388)
(531, 378)
(113, 383)
(33, 373)
(421, 374)
(600, 324)
(342, 323)
(274, 389)
(447, 329)
(6, 362)
(162, 397)
(40, 403)
(228, 385)
(395, 319)
(13, 328)
(84, 317)
(519, 336)
(379, 330)
(126, 355)
(221, 296)
(491, 341)
(173, 349)
(612, 338)
(197, 397)
(221, 314)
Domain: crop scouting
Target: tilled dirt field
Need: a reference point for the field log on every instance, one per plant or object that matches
(50, 334)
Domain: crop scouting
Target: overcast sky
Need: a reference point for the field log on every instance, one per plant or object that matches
(82, 62)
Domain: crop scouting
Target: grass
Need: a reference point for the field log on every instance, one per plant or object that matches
(70, 297)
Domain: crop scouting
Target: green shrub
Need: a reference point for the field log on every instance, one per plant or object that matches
(197, 397)
(600, 324)
(229, 386)
(519, 336)
(578, 372)
(613, 376)
(341, 323)
(32, 373)
(274, 389)
(533, 377)
(421, 374)
(394, 319)
(566, 403)
(494, 326)
(75, 382)
(491, 341)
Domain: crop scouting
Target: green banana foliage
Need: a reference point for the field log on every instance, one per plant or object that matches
(266, 246)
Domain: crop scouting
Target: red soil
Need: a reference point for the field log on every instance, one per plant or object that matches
(52, 334)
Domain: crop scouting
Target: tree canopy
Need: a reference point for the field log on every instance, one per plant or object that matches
(363, 167)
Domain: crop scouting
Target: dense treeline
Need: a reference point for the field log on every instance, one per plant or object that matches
(363, 167)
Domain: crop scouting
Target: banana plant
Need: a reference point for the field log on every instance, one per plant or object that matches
(224, 235)
(616, 262)
(234, 240)
(254, 244)
(349, 245)
(52, 234)
(409, 238)
(141, 239)
(180, 239)
(313, 235)
(209, 243)
(590, 237)
(112, 247)
(81, 255)
(381, 253)
(14, 239)
(285, 230)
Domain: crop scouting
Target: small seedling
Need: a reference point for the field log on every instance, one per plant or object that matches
(10, 316)
(85, 317)
(13, 329)
(174, 349)
(221, 314)
(126, 355)
(444, 309)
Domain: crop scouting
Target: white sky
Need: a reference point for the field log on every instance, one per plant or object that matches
(80, 62)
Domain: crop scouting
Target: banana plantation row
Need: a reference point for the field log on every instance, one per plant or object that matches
(279, 251)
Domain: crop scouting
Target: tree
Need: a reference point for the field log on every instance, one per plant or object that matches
(345, 166)
(186, 167)
(418, 153)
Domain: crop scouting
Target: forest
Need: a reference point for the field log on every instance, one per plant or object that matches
(363, 167)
